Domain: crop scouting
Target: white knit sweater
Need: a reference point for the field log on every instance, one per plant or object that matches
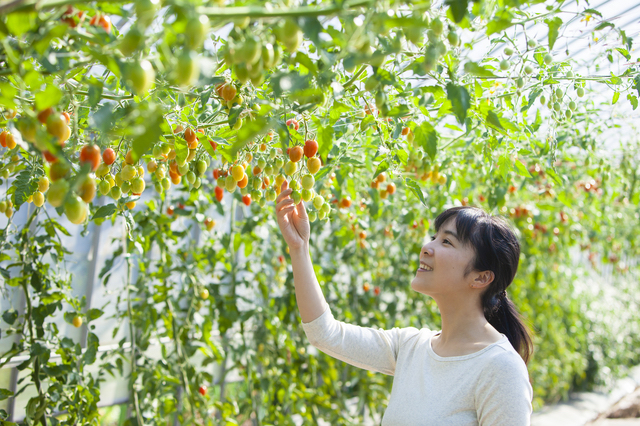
(488, 387)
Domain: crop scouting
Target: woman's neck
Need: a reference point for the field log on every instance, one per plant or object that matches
(463, 322)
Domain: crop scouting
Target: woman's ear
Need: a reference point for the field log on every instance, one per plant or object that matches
(483, 279)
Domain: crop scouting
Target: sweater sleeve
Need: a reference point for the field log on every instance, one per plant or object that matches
(504, 394)
(367, 348)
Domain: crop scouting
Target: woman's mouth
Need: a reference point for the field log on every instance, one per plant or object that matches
(424, 267)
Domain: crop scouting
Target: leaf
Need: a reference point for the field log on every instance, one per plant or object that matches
(89, 356)
(149, 136)
(399, 110)
(5, 393)
(94, 313)
(478, 70)
(616, 96)
(500, 22)
(637, 81)
(25, 186)
(48, 97)
(624, 52)
(382, 167)
(521, 169)
(458, 9)
(553, 24)
(325, 140)
(415, 188)
(603, 26)
(504, 166)
(21, 22)
(591, 12)
(494, 120)
(460, 101)
(105, 211)
(7, 95)
(634, 101)
(427, 138)
(10, 316)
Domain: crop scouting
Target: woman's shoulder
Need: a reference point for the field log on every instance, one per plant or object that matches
(502, 357)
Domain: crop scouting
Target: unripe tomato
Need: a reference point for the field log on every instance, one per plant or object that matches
(228, 92)
(290, 168)
(307, 182)
(196, 31)
(58, 170)
(75, 209)
(137, 186)
(77, 321)
(90, 154)
(57, 125)
(291, 35)
(187, 69)
(237, 172)
(230, 183)
(437, 27)
(296, 153)
(140, 76)
(548, 59)
(43, 184)
(38, 199)
(87, 190)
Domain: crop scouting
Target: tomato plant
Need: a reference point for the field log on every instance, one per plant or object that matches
(398, 112)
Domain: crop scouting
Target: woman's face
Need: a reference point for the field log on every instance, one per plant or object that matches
(443, 264)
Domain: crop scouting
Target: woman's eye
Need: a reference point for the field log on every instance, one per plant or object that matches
(433, 238)
(447, 241)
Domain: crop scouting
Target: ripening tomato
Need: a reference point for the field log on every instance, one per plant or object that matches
(44, 114)
(202, 390)
(345, 203)
(310, 148)
(170, 210)
(77, 321)
(219, 193)
(189, 135)
(296, 153)
(90, 154)
(391, 188)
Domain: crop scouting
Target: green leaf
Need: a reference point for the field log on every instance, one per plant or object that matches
(94, 313)
(427, 138)
(5, 393)
(521, 169)
(616, 96)
(460, 101)
(637, 81)
(181, 149)
(149, 136)
(415, 188)
(325, 140)
(494, 120)
(478, 70)
(603, 26)
(458, 9)
(382, 167)
(89, 356)
(634, 100)
(25, 186)
(553, 24)
(624, 52)
(48, 97)
(105, 211)
(10, 316)
(7, 95)
(21, 22)
(504, 166)
(500, 22)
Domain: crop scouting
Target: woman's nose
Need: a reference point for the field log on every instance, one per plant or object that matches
(427, 250)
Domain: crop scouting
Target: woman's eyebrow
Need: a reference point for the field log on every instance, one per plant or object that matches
(453, 234)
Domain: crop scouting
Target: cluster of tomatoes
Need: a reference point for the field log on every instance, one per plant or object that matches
(385, 190)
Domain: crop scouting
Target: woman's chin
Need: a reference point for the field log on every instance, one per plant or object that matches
(418, 286)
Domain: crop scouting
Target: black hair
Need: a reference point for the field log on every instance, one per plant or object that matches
(496, 249)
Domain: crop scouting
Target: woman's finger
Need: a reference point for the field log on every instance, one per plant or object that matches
(283, 203)
(284, 194)
(301, 210)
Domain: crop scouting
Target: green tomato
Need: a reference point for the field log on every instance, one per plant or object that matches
(307, 195)
(308, 181)
(580, 92)
(313, 216)
(196, 31)
(504, 65)
(296, 196)
(548, 59)
(57, 192)
(140, 76)
(290, 168)
(437, 27)
(528, 69)
(318, 201)
(508, 51)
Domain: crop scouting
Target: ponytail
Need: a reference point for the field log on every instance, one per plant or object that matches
(498, 250)
(504, 317)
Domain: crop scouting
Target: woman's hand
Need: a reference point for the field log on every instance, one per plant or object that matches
(292, 220)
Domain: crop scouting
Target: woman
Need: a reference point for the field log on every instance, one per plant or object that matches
(471, 372)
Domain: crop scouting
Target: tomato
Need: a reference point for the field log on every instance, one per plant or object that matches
(365, 287)
(219, 193)
(87, 190)
(44, 114)
(313, 164)
(293, 123)
(202, 390)
(362, 235)
(90, 154)
(196, 31)
(140, 76)
(291, 35)
(3, 138)
(10, 141)
(310, 148)
(75, 209)
(214, 144)
(376, 290)
(296, 153)
(56, 124)
(58, 170)
(187, 69)
(246, 199)
(189, 135)
(228, 92)
(345, 203)
(244, 181)
(77, 321)
(391, 188)
(38, 199)
(307, 182)
(105, 23)
(170, 210)
(137, 186)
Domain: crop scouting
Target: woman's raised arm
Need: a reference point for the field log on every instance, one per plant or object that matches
(294, 225)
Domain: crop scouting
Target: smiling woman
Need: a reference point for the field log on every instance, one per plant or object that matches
(473, 371)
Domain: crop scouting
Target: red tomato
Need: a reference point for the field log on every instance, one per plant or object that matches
(219, 193)
(246, 199)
